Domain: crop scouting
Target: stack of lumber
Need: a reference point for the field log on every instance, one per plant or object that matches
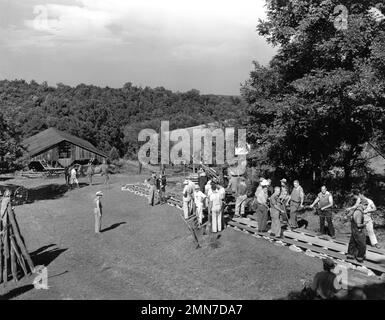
(309, 242)
(14, 257)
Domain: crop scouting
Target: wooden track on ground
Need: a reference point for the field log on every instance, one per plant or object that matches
(298, 240)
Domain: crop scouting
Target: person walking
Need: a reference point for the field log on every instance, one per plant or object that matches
(98, 211)
(369, 207)
(262, 210)
(325, 204)
(152, 193)
(216, 209)
(105, 171)
(296, 202)
(90, 173)
(275, 210)
(357, 243)
(73, 179)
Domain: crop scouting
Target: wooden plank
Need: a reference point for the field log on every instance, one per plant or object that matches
(371, 256)
(338, 241)
(303, 245)
(246, 221)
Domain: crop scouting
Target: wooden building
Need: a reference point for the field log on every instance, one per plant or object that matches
(52, 146)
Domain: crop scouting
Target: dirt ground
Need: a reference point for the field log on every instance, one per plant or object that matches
(143, 252)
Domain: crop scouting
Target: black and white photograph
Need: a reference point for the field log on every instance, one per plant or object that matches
(192, 156)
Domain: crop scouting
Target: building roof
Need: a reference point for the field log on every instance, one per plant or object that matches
(47, 139)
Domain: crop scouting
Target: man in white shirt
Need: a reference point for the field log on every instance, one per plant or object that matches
(216, 209)
(200, 198)
(368, 221)
(74, 179)
(188, 198)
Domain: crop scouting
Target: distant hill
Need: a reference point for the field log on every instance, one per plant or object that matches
(109, 117)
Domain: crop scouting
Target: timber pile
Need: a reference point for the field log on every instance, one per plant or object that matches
(14, 257)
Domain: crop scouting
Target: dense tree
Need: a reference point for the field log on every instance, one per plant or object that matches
(108, 118)
(323, 94)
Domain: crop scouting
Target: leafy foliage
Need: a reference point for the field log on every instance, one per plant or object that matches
(323, 94)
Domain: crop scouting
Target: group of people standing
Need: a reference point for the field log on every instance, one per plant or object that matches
(210, 196)
(271, 201)
(72, 172)
(274, 200)
(281, 204)
(158, 185)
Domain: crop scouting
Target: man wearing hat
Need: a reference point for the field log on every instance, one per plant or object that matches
(262, 211)
(151, 196)
(98, 211)
(324, 282)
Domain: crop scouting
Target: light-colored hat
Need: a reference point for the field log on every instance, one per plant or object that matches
(185, 182)
(197, 187)
(284, 180)
(264, 183)
(99, 193)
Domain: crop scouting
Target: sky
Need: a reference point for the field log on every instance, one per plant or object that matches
(208, 45)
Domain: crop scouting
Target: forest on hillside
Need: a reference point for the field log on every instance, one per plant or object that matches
(110, 118)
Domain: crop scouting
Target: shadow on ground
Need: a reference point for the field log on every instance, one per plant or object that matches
(42, 256)
(46, 192)
(369, 292)
(114, 226)
(16, 292)
(45, 255)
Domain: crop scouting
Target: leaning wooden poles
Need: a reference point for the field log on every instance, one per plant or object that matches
(15, 260)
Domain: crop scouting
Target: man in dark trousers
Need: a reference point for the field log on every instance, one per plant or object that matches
(357, 243)
(202, 179)
(162, 187)
(296, 202)
(67, 171)
(325, 204)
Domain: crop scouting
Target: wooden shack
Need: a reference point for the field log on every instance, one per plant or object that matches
(54, 146)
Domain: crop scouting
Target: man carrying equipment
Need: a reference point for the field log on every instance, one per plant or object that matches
(325, 203)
